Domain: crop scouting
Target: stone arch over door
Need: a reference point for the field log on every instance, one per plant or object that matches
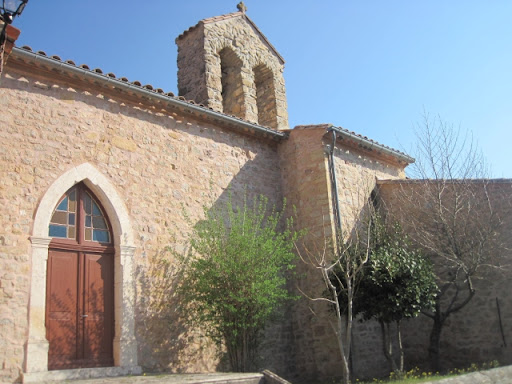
(125, 344)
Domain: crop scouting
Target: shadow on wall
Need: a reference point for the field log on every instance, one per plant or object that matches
(162, 321)
(261, 177)
(251, 164)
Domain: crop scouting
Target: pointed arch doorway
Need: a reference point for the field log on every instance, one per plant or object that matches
(125, 343)
(80, 283)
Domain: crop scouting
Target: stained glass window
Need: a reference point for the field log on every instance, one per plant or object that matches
(96, 228)
(63, 221)
(65, 218)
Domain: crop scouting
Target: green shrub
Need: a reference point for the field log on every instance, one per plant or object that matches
(235, 274)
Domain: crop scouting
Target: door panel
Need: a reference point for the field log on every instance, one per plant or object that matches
(80, 309)
(99, 307)
(80, 285)
(62, 294)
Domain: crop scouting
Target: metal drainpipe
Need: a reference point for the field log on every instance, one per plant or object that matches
(334, 185)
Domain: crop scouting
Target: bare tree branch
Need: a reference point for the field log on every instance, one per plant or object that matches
(449, 213)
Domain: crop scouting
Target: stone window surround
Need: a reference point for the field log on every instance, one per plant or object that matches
(125, 343)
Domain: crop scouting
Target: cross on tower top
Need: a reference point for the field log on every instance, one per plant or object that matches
(241, 7)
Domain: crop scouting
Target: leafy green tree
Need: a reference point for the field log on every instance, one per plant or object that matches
(398, 283)
(235, 275)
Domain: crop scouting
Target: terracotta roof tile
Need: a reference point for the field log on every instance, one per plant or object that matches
(211, 20)
(172, 95)
(232, 16)
(222, 17)
(147, 87)
(376, 143)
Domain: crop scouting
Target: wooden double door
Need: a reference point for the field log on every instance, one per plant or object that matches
(80, 309)
(79, 296)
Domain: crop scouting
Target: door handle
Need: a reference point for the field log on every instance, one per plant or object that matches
(85, 315)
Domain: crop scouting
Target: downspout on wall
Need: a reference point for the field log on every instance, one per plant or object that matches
(334, 186)
(366, 144)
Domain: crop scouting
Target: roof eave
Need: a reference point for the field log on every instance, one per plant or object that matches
(174, 102)
(372, 145)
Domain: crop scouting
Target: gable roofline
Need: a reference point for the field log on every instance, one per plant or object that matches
(55, 64)
(234, 15)
(369, 144)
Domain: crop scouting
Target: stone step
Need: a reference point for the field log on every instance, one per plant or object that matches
(122, 376)
(79, 374)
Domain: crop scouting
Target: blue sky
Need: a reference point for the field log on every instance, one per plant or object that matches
(370, 66)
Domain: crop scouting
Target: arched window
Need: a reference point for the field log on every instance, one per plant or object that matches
(79, 217)
(232, 87)
(265, 96)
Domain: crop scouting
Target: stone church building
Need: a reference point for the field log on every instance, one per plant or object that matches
(96, 172)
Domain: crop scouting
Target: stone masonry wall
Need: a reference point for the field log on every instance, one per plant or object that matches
(160, 163)
(482, 330)
(192, 74)
(200, 74)
(357, 172)
(306, 185)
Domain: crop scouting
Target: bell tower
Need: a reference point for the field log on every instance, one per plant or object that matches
(227, 64)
